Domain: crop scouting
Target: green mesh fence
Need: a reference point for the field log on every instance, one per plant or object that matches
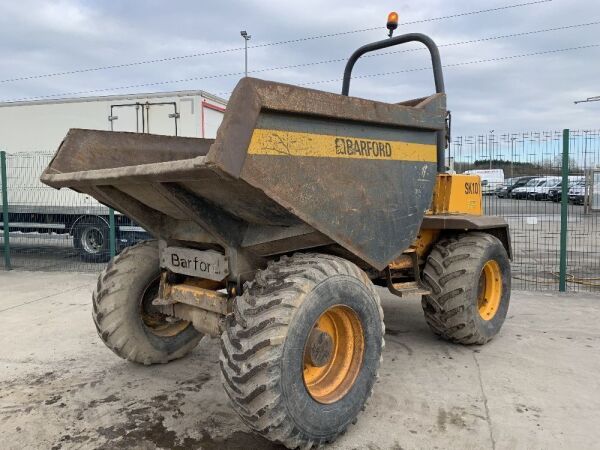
(533, 211)
(63, 230)
(56, 230)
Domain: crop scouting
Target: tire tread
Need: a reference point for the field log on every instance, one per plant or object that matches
(109, 309)
(454, 260)
(252, 344)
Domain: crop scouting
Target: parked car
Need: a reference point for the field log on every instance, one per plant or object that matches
(577, 193)
(540, 192)
(555, 193)
(523, 191)
(504, 190)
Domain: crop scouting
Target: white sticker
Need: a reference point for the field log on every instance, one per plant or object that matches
(203, 264)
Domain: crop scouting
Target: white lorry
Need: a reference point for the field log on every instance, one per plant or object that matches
(34, 208)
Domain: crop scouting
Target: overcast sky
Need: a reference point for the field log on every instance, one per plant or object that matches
(508, 95)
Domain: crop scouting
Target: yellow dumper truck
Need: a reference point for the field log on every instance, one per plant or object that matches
(273, 238)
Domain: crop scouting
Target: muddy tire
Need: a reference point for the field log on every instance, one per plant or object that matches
(281, 359)
(125, 319)
(469, 279)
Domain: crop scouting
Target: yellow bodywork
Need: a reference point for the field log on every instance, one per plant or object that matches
(453, 194)
(457, 194)
(425, 240)
(292, 143)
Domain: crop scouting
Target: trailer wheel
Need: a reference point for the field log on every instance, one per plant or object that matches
(91, 239)
(301, 353)
(469, 278)
(124, 316)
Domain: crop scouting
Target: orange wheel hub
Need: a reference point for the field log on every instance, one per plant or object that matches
(489, 293)
(333, 354)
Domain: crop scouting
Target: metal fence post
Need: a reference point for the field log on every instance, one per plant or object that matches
(564, 211)
(7, 265)
(112, 232)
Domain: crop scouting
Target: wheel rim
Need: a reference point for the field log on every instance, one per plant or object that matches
(92, 240)
(333, 354)
(155, 321)
(490, 290)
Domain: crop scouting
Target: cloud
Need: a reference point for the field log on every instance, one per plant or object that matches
(533, 93)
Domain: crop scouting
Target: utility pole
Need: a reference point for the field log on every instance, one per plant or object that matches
(246, 37)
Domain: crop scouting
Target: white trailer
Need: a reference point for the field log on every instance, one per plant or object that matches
(30, 132)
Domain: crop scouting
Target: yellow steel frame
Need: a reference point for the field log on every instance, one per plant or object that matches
(457, 194)
(453, 194)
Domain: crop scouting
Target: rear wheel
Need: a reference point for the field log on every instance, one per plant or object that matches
(300, 355)
(469, 279)
(91, 239)
(125, 318)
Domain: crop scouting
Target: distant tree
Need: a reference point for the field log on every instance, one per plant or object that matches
(548, 166)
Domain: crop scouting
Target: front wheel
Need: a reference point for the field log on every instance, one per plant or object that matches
(125, 318)
(300, 356)
(469, 279)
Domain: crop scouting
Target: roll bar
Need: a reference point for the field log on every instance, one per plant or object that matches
(438, 75)
(403, 39)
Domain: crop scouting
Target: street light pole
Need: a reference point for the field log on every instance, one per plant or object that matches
(586, 197)
(512, 156)
(490, 149)
(246, 37)
(491, 146)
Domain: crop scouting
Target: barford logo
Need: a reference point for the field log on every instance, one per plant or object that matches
(198, 263)
(362, 147)
(194, 264)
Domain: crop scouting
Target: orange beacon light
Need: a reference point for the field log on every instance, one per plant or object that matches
(392, 22)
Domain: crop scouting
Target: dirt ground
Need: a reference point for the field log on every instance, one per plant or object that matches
(536, 386)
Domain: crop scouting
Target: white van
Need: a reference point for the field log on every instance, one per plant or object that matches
(491, 179)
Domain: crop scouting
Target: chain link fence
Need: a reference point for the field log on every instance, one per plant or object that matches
(522, 176)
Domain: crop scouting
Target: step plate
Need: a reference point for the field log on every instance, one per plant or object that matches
(411, 288)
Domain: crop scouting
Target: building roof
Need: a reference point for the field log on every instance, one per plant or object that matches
(119, 97)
